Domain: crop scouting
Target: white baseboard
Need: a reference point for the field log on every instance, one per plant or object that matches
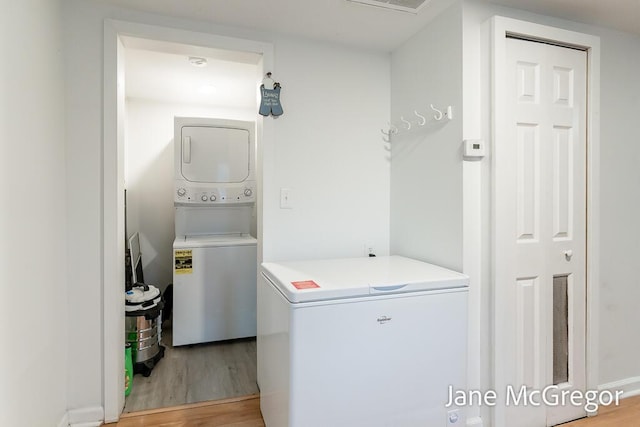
(64, 422)
(86, 417)
(474, 422)
(629, 386)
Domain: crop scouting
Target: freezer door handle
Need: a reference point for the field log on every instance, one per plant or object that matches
(384, 289)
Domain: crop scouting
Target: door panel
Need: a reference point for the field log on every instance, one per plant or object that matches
(528, 190)
(540, 211)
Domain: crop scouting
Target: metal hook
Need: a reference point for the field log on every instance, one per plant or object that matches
(438, 115)
(268, 81)
(392, 131)
(407, 123)
(422, 118)
(387, 134)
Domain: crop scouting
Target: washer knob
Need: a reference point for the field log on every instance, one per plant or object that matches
(212, 198)
(204, 198)
(248, 192)
(181, 192)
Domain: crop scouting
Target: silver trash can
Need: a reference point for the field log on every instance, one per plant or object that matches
(143, 311)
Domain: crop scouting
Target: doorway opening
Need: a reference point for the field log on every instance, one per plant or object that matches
(153, 74)
(164, 80)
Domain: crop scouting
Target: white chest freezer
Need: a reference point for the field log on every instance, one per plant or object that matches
(367, 342)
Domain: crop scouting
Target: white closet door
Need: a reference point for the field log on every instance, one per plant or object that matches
(540, 237)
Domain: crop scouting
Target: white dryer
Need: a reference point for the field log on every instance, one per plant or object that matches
(214, 161)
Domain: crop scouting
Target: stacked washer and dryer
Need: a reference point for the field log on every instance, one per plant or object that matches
(214, 254)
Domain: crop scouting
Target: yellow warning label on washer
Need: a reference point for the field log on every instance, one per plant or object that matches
(183, 261)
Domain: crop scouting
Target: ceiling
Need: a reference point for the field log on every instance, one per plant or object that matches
(367, 26)
(337, 21)
(161, 71)
(623, 15)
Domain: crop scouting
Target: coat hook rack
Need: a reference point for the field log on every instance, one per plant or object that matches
(407, 125)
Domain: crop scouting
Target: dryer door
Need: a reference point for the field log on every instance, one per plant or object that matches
(215, 154)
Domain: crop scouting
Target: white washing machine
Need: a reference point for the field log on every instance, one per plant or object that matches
(214, 283)
(357, 342)
(215, 257)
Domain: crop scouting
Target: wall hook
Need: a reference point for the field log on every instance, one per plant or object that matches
(392, 131)
(268, 81)
(438, 115)
(387, 135)
(422, 118)
(449, 113)
(407, 123)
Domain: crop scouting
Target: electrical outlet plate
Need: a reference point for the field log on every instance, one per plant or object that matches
(454, 418)
(369, 249)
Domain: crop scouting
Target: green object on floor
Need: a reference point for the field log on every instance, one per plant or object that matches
(128, 370)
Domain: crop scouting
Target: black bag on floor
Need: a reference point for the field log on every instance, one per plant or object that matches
(167, 296)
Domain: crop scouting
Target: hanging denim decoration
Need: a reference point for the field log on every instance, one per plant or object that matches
(270, 98)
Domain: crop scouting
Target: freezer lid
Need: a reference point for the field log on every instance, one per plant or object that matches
(317, 280)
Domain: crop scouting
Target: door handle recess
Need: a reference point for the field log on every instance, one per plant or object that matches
(186, 149)
(568, 254)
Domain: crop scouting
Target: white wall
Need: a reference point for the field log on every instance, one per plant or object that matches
(329, 152)
(426, 166)
(327, 148)
(620, 106)
(620, 209)
(149, 174)
(33, 258)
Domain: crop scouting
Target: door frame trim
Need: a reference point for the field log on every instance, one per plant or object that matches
(500, 28)
(113, 177)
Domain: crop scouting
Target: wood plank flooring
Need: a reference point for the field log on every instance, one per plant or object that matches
(245, 412)
(199, 373)
(627, 414)
(236, 412)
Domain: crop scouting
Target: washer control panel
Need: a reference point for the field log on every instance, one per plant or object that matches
(215, 196)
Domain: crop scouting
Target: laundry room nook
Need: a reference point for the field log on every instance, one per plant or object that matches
(191, 186)
(344, 213)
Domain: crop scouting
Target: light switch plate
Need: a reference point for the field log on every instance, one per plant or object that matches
(285, 198)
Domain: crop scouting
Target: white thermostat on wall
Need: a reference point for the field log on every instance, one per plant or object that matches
(474, 148)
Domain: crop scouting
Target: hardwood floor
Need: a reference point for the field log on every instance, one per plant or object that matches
(236, 412)
(245, 412)
(625, 415)
(200, 373)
